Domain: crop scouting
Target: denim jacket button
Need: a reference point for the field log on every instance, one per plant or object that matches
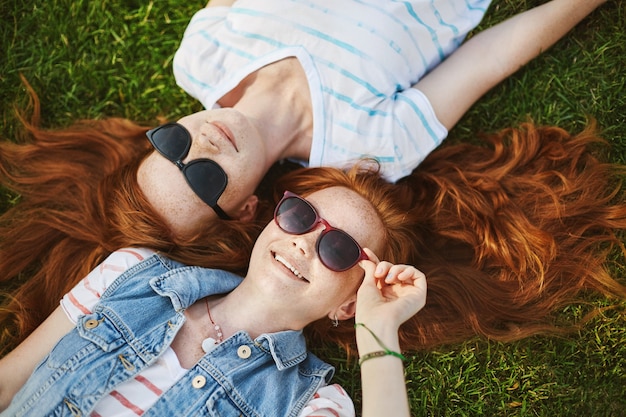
(91, 324)
(198, 382)
(244, 351)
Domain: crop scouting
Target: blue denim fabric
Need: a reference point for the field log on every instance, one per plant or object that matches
(136, 320)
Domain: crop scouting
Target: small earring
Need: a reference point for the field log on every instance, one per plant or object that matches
(335, 321)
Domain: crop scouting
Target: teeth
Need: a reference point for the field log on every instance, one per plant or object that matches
(291, 268)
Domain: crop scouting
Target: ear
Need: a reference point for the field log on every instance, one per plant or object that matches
(248, 210)
(345, 311)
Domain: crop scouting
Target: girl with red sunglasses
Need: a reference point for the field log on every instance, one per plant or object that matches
(142, 334)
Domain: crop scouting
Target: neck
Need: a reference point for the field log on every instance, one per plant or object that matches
(256, 318)
(277, 100)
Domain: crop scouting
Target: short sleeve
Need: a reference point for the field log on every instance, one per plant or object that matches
(86, 294)
(331, 401)
(397, 131)
(196, 52)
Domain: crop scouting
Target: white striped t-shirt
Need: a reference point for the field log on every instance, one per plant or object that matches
(360, 58)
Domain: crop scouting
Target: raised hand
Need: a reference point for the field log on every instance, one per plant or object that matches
(391, 293)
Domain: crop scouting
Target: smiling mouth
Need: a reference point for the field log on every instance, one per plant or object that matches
(226, 132)
(287, 265)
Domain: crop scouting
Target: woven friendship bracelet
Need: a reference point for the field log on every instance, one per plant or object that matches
(378, 354)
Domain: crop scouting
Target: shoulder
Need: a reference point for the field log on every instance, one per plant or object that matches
(83, 297)
(128, 257)
(115, 264)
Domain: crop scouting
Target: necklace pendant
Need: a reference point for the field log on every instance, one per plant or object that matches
(209, 344)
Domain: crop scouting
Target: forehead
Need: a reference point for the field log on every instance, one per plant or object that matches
(347, 210)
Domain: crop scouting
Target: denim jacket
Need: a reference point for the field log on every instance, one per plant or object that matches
(136, 319)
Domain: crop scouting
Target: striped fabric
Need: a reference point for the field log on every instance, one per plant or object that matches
(135, 396)
(360, 56)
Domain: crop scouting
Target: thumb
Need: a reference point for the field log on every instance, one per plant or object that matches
(369, 266)
(369, 283)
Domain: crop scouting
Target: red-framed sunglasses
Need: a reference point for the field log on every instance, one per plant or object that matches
(337, 250)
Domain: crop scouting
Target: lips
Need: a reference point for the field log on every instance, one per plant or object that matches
(226, 133)
(290, 267)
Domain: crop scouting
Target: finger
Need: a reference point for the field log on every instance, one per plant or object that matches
(370, 254)
(405, 273)
(400, 273)
(383, 269)
(422, 286)
(369, 267)
(411, 274)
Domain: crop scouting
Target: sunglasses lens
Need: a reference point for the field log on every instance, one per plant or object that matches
(295, 216)
(171, 140)
(338, 251)
(207, 179)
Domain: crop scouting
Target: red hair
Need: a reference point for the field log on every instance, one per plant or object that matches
(511, 232)
(506, 233)
(80, 201)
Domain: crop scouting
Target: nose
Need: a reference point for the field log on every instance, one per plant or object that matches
(306, 242)
(202, 144)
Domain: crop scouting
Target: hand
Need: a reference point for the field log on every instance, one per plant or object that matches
(392, 293)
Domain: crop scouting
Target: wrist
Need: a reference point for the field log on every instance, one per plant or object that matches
(385, 333)
(370, 342)
(380, 354)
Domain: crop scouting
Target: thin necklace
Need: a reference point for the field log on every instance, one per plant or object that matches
(210, 343)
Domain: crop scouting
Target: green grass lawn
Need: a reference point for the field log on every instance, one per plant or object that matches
(89, 59)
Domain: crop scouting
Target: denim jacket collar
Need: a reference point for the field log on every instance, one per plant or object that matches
(184, 285)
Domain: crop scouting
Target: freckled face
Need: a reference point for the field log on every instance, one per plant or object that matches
(223, 135)
(289, 267)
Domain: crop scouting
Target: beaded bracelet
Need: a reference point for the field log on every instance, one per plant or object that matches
(386, 351)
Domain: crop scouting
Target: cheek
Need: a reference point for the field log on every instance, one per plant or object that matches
(356, 279)
(243, 177)
(193, 122)
(346, 284)
(169, 195)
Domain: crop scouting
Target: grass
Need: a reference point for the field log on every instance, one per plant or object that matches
(91, 59)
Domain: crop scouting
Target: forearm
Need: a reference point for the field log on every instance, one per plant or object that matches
(521, 38)
(16, 367)
(389, 295)
(495, 53)
(382, 378)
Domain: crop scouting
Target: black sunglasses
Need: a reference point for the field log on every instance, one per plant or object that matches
(337, 250)
(205, 177)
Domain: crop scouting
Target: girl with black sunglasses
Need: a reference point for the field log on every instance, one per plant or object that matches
(326, 83)
(143, 334)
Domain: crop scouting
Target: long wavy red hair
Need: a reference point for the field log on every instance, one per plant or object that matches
(506, 233)
(512, 231)
(78, 201)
